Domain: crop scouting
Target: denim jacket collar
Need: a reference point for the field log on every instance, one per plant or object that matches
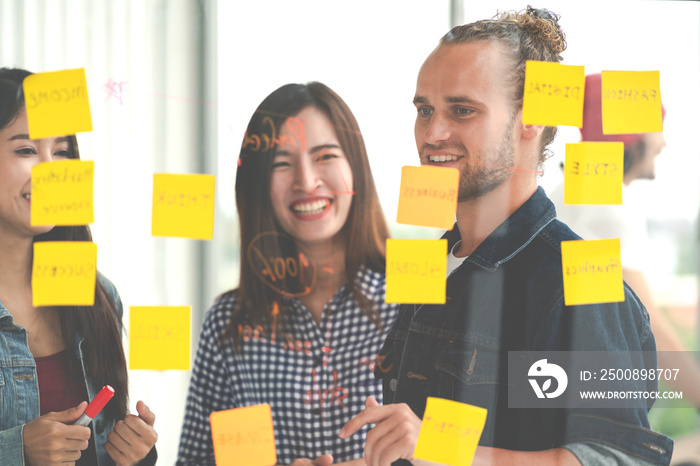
(511, 236)
(4, 313)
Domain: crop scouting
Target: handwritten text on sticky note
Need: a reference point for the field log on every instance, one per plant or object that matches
(57, 103)
(593, 173)
(592, 271)
(631, 102)
(62, 193)
(416, 271)
(428, 196)
(183, 206)
(553, 94)
(64, 273)
(450, 432)
(244, 436)
(159, 337)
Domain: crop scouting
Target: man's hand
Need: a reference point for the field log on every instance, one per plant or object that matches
(394, 436)
(132, 438)
(50, 439)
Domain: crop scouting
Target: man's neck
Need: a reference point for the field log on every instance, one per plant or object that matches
(477, 218)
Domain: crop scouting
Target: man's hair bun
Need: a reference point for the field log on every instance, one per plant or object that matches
(543, 25)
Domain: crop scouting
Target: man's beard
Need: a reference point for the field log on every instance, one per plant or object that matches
(481, 176)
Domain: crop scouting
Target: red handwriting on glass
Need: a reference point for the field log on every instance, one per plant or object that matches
(251, 437)
(456, 430)
(371, 363)
(115, 89)
(265, 142)
(257, 333)
(159, 332)
(183, 200)
(64, 270)
(327, 397)
(289, 276)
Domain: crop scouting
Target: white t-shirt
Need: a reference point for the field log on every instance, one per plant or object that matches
(453, 261)
(626, 221)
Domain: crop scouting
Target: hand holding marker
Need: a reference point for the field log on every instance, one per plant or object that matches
(95, 406)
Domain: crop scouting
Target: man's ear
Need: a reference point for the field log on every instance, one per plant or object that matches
(531, 132)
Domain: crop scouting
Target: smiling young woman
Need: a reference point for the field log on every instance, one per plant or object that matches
(309, 312)
(53, 359)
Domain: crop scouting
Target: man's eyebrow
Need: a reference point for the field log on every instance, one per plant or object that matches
(460, 100)
(450, 100)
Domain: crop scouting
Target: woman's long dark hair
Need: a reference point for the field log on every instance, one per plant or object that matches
(365, 229)
(99, 324)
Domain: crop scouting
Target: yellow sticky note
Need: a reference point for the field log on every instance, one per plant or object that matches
(631, 102)
(593, 173)
(159, 337)
(428, 196)
(183, 206)
(64, 273)
(244, 436)
(592, 271)
(416, 270)
(57, 103)
(62, 193)
(450, 432)
(553, 94)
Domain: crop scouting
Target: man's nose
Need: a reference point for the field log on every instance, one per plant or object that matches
(438, 130)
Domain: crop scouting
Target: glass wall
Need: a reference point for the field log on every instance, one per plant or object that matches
(173, 83)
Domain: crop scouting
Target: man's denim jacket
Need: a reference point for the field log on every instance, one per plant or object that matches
(19, 388)
(508, 296)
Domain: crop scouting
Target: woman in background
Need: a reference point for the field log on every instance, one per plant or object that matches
(302, 330)
(53, 359)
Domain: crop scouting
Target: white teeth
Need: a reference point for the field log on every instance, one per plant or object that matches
(27, 196)
(443, 158)
(311, 208)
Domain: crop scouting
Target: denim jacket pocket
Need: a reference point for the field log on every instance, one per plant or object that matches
(474, 374)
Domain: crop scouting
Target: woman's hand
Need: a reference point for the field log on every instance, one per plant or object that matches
(132, 438)
(323, 460)
(50, 439)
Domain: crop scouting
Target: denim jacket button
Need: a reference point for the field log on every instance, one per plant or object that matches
(392, 385)
(99, 426)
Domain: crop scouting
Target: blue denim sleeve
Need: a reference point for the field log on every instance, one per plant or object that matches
(11, 446)
(595, 454)
(614, 327)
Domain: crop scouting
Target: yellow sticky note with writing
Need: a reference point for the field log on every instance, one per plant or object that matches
(416, 270)
(592, 271)
(64, 273)
(62, 193)
(593, 173)
(631, 102)
(183, 206)
(428, 196)
(450, 432)
(57, 103)
(553, 94)
(159, 337)
(244, 436)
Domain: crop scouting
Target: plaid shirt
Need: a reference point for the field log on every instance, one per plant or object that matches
(315, 377)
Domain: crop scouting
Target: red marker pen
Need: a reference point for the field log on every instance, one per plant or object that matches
(95, 406)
